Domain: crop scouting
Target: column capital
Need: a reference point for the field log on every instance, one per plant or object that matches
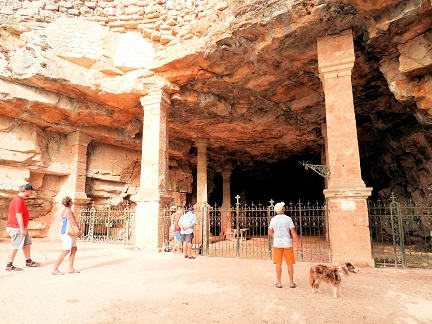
(78, 138)
(346, 193)
(335, 55)
(337, 68)
(201, 142)
(155, 97)
(226, 174)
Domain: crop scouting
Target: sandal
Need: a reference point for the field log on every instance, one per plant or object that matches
(32, 264)
(73, 271)
(13, 268)
(57, 272)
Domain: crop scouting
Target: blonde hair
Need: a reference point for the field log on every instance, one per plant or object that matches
(66, 201)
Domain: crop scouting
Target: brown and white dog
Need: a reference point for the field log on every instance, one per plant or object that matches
(333, 275)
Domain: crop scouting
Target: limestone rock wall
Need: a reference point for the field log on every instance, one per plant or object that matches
(68, 65)
(164, 22)
(30, 154)
(112, 172)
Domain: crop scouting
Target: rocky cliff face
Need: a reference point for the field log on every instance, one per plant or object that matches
(242, 73)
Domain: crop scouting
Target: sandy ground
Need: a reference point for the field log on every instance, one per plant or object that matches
(120, 284)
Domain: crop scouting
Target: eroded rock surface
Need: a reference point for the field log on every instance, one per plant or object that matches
(242, 73)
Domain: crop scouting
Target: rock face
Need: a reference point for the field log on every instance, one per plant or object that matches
(241, 73)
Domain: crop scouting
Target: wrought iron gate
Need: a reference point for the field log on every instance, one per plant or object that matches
(107, 224)
(401, 233)
(242, 231)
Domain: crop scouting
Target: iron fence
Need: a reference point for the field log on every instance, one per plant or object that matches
(242, 231)
(401, 233)
(110, 224)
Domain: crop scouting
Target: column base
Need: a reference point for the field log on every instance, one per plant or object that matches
(349, 226)
(149, 222)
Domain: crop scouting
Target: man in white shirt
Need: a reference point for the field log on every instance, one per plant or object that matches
(187, 223)
(280, 228)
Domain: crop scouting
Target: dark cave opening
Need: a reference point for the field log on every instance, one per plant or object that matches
(285, 180)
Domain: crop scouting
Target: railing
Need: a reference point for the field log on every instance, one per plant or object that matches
(401, 233)
(107, 224)
(242, 231)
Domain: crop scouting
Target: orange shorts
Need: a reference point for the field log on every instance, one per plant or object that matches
(287, 253)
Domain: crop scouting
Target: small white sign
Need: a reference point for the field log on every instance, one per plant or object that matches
(348, 205)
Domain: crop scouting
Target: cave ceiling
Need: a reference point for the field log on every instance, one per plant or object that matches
(251, 85)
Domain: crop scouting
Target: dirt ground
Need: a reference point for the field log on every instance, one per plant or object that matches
(120, 284)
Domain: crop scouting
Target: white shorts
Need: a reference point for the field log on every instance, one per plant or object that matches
(68, 242)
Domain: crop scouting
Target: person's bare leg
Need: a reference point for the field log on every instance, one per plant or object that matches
(291, 274)
(279, 274)
(185, 249)
(189, 251)
(72, 258)
(11, 255)
(60, 260)
(176, 248)
(26, 250)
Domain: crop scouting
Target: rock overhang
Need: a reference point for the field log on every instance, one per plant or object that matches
(251, 85)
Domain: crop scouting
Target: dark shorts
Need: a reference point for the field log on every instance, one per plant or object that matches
(187, 238)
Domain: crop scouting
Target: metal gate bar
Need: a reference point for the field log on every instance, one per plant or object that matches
(242, 231)
(401, 233)
(110, 224)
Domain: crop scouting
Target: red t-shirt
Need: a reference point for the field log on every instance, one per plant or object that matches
(17, 205)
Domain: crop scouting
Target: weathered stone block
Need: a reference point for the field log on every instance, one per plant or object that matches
(52, 7)
(74, 12)
(6, 11)
(133, 52)
(416, 55)
(90, 4)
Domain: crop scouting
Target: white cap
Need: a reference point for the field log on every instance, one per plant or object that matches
(278, 207)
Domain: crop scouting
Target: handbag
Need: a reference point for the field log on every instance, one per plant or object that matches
(72, 230)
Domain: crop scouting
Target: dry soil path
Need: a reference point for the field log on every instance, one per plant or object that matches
(119, 284)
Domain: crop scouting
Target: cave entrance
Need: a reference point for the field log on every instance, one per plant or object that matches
(285, 180)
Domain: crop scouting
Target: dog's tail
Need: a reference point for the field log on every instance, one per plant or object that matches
(311, 277)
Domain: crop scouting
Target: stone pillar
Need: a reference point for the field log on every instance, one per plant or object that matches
(226, 204)
(75, 184)
(201, 144)
(78, 142)
(324, 162)
(153, 195)
(202, 198)
(345, 191)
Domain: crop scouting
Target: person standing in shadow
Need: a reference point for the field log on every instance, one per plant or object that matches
(177, 235)
(187, 223)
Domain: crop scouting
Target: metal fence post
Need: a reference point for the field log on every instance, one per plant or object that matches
(92, 222)
(238, 226)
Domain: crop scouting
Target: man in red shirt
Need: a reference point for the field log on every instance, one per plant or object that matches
(16, 226)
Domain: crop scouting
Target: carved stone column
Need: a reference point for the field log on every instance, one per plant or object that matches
(202, 199)
(74, 186)
(153, 195)
(226, 194)
(346, 192)
(78, 142)
(201, 144)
